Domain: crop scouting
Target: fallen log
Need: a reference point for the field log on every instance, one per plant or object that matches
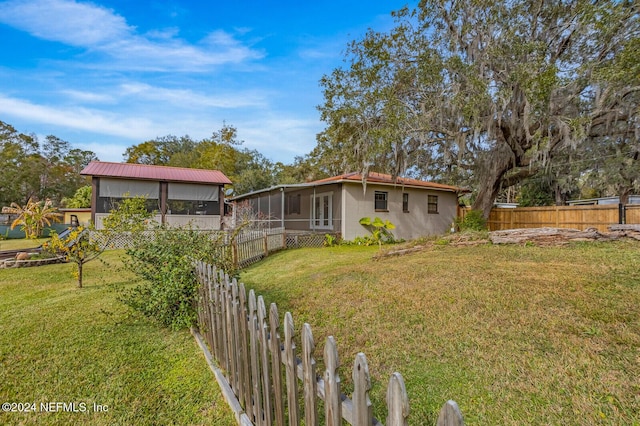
(625, 231)
(547, 236)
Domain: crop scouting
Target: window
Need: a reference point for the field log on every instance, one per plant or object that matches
(192, 199)
(107, 204)
(292, 204)
(380, 198)
(432, 204)
(405, 202)
(193, 207)
(321, 211)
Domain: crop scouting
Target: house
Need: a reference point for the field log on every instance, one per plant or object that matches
(180, 196)
(336, 204)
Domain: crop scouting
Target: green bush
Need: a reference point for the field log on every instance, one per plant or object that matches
(169, 287)
(473, 221)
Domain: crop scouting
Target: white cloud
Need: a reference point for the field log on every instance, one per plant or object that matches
(191, 99)
(69, 22)
(89, 97)
(77, 118)
(101, 30)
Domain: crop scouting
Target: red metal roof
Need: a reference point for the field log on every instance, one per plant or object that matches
(159, 173)
(374, 177)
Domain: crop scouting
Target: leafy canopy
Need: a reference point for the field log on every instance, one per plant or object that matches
(484, 93)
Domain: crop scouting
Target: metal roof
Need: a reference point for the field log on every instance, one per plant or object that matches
(158, 173)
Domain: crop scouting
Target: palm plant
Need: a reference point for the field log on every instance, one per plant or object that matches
(33, 216)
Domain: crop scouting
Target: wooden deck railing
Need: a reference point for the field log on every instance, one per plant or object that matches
(264, 380)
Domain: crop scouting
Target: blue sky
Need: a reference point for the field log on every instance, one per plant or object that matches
(111, 74)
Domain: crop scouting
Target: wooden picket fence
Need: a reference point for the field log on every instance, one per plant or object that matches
(251, 246)
(260, 373)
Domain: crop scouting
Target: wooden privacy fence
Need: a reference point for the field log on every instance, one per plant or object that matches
(262, 373)
(578, 217)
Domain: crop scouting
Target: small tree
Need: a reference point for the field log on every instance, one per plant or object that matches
(76, 247)
(79, 247)
(33, 216)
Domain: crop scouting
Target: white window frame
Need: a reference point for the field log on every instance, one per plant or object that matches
(318, 219)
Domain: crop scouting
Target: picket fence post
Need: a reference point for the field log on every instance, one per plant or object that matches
(291, 370)
(309, 377)
(276, 364)
(397, 401)
(332, 402)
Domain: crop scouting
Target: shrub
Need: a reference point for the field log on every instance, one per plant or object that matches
(169, 288)
(473, 221)
(380, 230)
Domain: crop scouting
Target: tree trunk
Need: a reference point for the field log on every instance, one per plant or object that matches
(498, 163)
(80, 275)
(624, 195)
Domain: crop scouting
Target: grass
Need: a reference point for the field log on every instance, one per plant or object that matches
(60, 344)
(21, 243)
(514, 334)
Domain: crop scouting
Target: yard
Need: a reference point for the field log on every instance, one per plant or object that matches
(21, 243)
(66, 349)
(514, 334)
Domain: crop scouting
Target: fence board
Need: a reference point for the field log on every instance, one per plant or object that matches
(397, 401)
(362, 409)
(450, 415)
(291, 371)
(255, 369)
(264, 362)
(276, 364)
(309, 377)
(332, 402)
(246, 387)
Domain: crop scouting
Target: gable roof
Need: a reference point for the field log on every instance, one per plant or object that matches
(158, 173)
(382, 178)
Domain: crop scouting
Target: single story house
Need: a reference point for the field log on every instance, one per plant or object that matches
(336, 205)
(180, 196)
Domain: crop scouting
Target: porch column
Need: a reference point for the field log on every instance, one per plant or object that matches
(95, 190)
(282, 207)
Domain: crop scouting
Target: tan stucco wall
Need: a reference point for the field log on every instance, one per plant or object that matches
(414, 224)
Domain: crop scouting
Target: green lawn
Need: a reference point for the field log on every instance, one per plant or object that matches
(60, 344)
(515, 334)
(21, 243)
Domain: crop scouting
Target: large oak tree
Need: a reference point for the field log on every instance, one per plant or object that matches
(484, 92)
